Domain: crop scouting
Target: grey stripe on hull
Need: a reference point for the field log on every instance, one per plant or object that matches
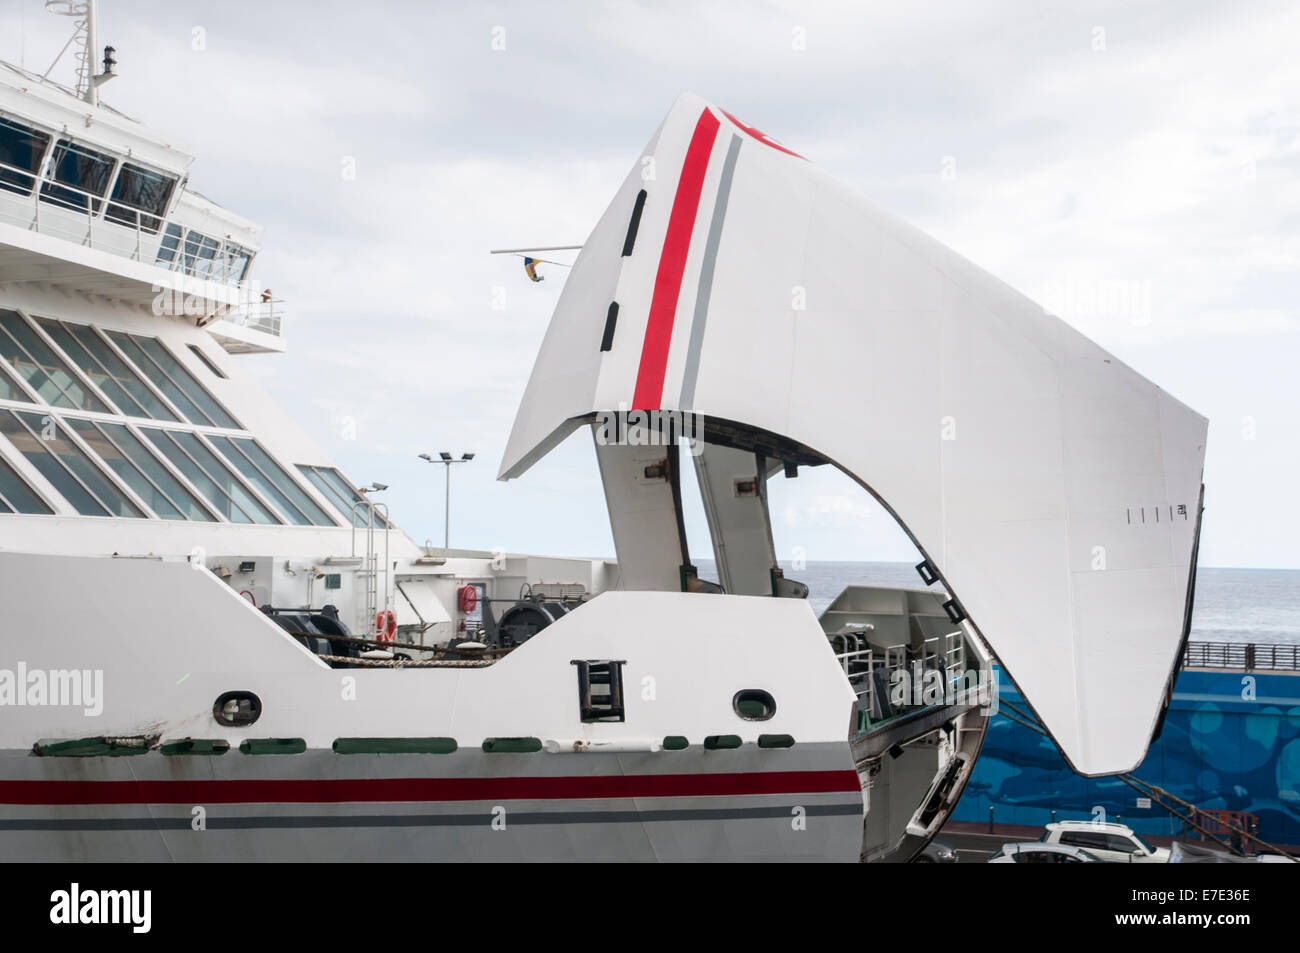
(422, 820)
(692, 369)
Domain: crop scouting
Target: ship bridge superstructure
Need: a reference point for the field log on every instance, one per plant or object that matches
(129, 428)
(93, 202)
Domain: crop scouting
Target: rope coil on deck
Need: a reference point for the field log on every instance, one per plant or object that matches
(409, 663)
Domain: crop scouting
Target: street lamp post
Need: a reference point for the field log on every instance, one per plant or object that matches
(446, 459)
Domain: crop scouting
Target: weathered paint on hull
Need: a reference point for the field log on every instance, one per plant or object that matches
(802, 804)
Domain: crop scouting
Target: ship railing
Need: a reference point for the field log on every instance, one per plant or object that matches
(75, 214)
(99, 222)
(950, 650)
(862, 662)
(1245, 656)
(259, 312)
(859, 664)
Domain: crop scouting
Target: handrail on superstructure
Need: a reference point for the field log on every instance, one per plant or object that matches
(257, 310)
(92, 210)
(860, 660)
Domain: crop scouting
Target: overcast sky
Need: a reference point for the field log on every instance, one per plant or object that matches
(1072, 149)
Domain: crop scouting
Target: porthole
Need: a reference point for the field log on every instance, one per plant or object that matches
(237, 709)
(754, 704)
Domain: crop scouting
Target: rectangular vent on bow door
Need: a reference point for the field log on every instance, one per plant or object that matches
(611, 319)
(630, 241)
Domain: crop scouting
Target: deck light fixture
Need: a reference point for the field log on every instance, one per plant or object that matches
(446, 459)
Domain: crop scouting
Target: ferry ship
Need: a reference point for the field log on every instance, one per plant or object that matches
(217, 646)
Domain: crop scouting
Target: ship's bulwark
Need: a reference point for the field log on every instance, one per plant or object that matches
(1218, 750)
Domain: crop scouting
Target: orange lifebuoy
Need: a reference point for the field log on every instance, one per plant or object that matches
(386, 625)
(467, 598)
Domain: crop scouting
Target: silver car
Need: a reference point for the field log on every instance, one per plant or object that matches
(1036, 852)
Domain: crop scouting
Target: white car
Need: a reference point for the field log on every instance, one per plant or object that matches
(1036, 852)
(1114, 843)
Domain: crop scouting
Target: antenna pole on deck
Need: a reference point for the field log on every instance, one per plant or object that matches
(85, 36)
(91, 94)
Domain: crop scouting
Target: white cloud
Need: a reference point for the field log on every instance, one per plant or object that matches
(829, 511)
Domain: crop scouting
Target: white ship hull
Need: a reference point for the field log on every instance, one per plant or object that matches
(686, 775)
(802, 804)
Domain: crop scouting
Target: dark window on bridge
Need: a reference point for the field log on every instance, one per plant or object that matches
(208, 362)
(140, 191)
(75, 171)
(21, 152)
(16, 495)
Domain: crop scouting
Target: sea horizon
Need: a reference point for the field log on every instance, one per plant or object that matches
(1232, 603)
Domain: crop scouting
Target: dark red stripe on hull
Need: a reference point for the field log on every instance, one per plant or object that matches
(672, 265)
(337, 790)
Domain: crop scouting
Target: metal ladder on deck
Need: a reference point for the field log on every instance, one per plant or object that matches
(368, 613)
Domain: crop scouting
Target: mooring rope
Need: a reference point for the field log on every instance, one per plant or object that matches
(410, 663)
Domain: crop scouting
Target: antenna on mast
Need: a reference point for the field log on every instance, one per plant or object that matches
(85, 38)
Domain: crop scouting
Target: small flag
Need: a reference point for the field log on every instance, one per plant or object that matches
(530, 266)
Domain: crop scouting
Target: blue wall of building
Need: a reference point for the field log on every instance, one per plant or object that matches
(1218, 750)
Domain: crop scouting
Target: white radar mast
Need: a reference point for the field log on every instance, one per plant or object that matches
(85, 39)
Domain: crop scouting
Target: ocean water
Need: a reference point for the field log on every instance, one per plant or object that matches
(1232, 605)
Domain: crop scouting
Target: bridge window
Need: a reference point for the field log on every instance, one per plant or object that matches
(171, 241)
(340, 493)
(134, 451)
(140, 191)
(127, 471)
(268, 476)
(37, 364)
(170, 376)
(200, 252)
(16, 496)
(78, 177)
(106, 370)
(237, 261)
(214, 480)
(103, 467)
(203, 255)
(9, 387)
(65, 465)
(208, 362)
(21, 152)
